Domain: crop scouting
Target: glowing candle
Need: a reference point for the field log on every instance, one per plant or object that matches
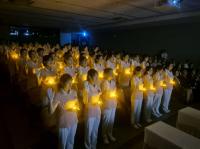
(172, 81)
(14, 55)
(50, 81)
(127, 71)
(152, 87)
(101, 75)
(141, 87)
(115, 72)
(113, 94)
(96, 100)
(84, 77)
(162, 84)
(71, 105)
(74, 80)
(60, 65)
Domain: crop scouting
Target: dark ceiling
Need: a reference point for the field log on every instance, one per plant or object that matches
(92, 14)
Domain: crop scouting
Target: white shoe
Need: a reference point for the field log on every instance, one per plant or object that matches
(136, 126)
(113, 139)
(156, 115)
(139, 125)
(166, 111)
(159, 114)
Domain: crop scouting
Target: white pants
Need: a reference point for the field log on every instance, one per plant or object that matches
(66, 137)
(148, 106)
(166, 99)
(91, 132)
(108, 119)
(156, 103)
(136, 106)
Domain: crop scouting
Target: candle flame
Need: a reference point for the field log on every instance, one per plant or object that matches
(172, 82)
(141, 87)
(162, 84)
(14, 55)
(71, 105)
(50, 81)
(96, 100)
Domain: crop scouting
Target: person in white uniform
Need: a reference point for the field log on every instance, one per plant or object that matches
(158, 81)
(109, 97)
(149, 94)
(66, 101)
(169, 79)
(92, 101)
(136, 97)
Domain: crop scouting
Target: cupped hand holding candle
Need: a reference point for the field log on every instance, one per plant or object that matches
(14, 55)
(162, 84)
(50, 81)
(72, 105)
(142, 88)
(96, 100)
(172, 82)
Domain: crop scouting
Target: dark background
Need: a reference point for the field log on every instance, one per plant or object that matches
(182, 41)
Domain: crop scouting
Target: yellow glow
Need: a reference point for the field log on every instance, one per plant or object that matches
(77, 56)
(101, 75)
(172, 82)
(96, 100)
(141, 87)
(33, 71)
(50, 81)
(162, 84)
(115, 72)
(113, 94)
(87, 56)
(127, 71)
(14, 55)
(74, 80)
(84, 77)
(60, 65)
(152, 87)
(71, 105)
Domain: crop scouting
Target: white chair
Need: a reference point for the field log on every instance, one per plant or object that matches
(189, 121)
(163, 136)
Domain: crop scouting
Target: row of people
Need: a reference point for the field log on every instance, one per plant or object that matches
(65, 81)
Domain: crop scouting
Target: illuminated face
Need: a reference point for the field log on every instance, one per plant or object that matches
(95, 78)
(50, 63)
(24, 54)
(33, 56)
(84, 63)
(68, 85)
(69, 61)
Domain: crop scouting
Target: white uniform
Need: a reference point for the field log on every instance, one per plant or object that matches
(109, 107)
(67, 119)
(149, 95)
(168, 91)
(92, 115)
(70, 70)
(136, 100)
(158, 94)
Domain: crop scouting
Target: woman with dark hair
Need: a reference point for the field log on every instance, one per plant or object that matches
(66, 101)
(137, 90)
(92, 102)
